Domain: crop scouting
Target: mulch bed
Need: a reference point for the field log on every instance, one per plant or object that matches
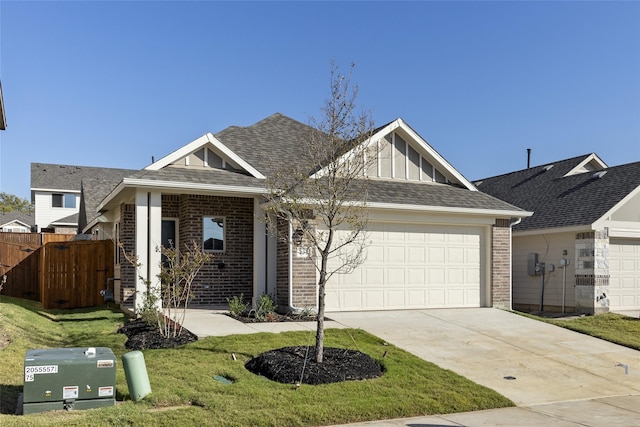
(276, 317)
(142, 335)
(297, 365)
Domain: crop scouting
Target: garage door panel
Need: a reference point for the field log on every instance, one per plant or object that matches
(412, 266)
(624, 272)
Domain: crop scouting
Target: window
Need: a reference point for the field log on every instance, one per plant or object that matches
(63, 201)
(213, 233)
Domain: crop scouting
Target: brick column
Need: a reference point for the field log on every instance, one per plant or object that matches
(592, 272)
(501, 264)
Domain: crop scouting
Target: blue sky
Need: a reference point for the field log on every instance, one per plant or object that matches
(114, 83)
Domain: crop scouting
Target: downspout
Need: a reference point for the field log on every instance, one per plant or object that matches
(513, 224)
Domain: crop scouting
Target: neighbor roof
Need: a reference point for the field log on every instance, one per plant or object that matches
(9, 217)
(563, 201)
(69, 177)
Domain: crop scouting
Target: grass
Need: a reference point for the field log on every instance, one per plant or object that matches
(185, 393)
(612, 327)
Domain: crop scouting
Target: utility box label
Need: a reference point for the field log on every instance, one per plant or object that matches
(70, 392)
(31, 371)
(105, 391)
(105, 364)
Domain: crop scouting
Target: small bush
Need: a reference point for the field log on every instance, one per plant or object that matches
(265, 308)
(237, 305)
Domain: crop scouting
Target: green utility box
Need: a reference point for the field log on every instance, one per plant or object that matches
(68, 378)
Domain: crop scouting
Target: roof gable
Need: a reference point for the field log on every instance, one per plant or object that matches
(205, 152)
(404, 155)
(561, 196)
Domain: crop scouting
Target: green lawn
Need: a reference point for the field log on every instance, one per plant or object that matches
(612, 327)
(185, 393)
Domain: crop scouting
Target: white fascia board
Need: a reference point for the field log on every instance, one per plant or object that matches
(424, 208)
(553, 230)
(598, 223)
(203, 141)
(445, 209)
(111, 195)
(592, 156)
(55, 190)
(169, 185)
(433, 153)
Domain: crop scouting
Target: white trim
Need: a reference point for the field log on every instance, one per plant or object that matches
(607, 215)
(423, 144)
(447, 209)
(205, 141)
(537, 231)
(592, 156)
(171, 185)
(15, 222)
(57, 191)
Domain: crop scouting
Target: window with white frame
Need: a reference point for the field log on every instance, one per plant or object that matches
(213, 237)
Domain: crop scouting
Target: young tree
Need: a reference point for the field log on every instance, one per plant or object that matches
(325, 195)
(11, 203)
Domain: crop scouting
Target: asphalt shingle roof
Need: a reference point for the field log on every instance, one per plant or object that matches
(69, 177)
(7, 217)
(559, 201)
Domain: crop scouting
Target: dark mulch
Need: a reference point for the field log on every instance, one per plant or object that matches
(295, 365)
(142, 335)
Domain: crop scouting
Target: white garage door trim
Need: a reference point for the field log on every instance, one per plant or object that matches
(411, 266)
(624, 274)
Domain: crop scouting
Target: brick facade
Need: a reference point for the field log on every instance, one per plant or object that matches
(128, 241)
(501, 264)
(231, 272)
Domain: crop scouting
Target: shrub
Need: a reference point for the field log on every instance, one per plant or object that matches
(237, 305)
(265, 307)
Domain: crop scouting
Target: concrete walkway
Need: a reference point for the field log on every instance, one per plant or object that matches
(556, 377)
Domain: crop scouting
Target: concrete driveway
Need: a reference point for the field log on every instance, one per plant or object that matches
(530, 362)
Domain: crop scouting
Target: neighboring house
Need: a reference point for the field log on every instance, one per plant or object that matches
(55, 193)
(586, 213)
(435, 240)
(16, 222)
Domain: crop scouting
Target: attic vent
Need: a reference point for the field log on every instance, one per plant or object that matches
(546, 168)
(598, 174)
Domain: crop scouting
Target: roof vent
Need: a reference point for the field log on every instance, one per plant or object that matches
(598, 174)
(477, 183)
(546, 168)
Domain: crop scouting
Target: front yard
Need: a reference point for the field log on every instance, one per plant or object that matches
(184, 391)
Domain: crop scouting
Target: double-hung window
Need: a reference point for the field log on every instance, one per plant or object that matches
(63, 200)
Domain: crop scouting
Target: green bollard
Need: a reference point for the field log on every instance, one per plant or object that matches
(135, 371)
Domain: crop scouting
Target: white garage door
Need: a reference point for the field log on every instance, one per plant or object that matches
(412, 266)
(624, 271)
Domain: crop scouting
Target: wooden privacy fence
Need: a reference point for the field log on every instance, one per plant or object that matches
(14, 247)
(63, 274)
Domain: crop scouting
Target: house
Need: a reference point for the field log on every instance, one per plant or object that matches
(585, 230)
(16, 222)
(55, 193)
(435, 240)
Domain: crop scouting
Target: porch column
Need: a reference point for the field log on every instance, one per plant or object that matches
(148, 239)
(259, 250)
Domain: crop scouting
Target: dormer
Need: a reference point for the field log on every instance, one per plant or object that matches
(591, 163)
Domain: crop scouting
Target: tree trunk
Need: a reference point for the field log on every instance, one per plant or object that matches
(320, 327)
